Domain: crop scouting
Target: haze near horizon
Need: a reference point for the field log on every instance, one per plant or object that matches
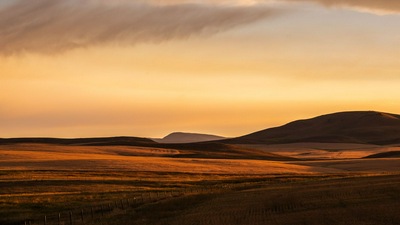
(147, 68)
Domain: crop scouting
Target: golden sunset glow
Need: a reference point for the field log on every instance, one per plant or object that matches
(228, 68)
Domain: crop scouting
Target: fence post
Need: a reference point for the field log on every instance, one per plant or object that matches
(91, 210)
(45, 220)
(70, 217)
(59, 218)
(82, 215)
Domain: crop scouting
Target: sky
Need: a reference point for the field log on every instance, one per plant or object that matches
(86, 68)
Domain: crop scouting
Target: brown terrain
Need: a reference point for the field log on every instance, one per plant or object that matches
(182, 137)
(341, 168)
(365, 127)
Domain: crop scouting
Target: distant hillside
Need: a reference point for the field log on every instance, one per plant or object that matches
(392, 154)
(186, 150)
(103, 141)
(181, 137)
(343, 127)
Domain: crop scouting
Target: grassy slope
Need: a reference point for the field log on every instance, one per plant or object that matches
(43, 179)
(389, 154)
(131, 146)
(344, 127)
(363, 200)
(314, 151)
(57, 157)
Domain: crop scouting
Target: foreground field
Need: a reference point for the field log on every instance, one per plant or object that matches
(368, 200)
(139, 185)
(180, 199)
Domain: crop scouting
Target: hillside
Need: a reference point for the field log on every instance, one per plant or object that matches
(391, 154)
(363, 127)
(147, 147)
(367, 127)
(182, 137)
(106, 141)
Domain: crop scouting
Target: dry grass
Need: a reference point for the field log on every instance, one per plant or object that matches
(312, 151)
(54, 157)
(32, 194)
(362, 200)
(390, 165)
(40, 179)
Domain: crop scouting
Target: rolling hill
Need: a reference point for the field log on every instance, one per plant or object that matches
(182, 137)
(362, 127)
(101, 141)
(367, 127)
(390, 154)
(205, 150)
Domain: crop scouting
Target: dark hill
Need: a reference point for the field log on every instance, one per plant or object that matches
(216, 150)
(187, 150)
(343, 127)
(392, 154)
(181, 137)
(103, 141)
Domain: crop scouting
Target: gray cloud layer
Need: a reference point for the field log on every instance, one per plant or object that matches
(373, 5)
(51, 26)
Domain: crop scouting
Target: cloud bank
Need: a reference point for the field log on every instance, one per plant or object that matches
(373, 6)
(52, 26)
(388, 6)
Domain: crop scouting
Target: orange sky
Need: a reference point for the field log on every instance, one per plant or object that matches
(227, 68)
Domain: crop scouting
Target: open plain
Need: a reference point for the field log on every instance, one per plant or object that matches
(348, 174)
(39, 182)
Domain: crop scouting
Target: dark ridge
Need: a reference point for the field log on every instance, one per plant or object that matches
(187, 150)
(364, 127)
(391, 154)
(367, 127)
(103, 141)
(181, 137)
(216, 150)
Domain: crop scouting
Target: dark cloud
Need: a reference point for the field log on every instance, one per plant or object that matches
(51, 26)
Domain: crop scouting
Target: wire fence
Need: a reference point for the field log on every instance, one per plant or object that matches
(97, 212)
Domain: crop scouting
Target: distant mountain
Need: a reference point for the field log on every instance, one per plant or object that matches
(102, 141)
(181, 137)
(344, 127)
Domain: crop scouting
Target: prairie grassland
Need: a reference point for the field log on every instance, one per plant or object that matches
(325, 150)
(390, 165)
(354, 201)
(31, 194)
(37, 180)
(56, 157)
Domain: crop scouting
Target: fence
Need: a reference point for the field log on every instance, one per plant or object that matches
(95, 213)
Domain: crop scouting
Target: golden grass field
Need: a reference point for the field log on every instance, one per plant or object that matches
(314, 188)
